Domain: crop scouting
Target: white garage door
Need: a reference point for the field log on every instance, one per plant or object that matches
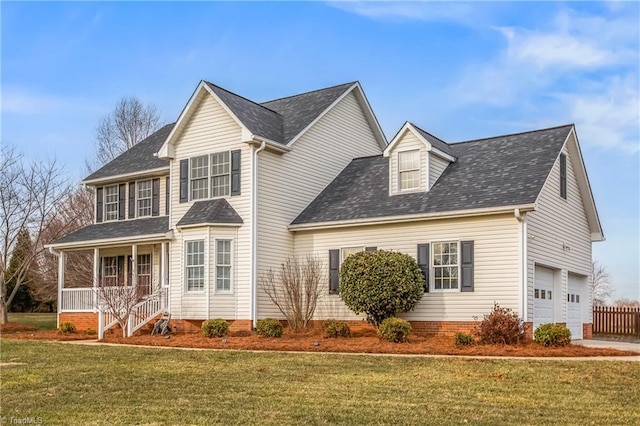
(542, 296)
(575, 303)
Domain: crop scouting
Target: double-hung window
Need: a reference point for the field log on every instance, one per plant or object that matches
(220, 174)
(199, 177)
(445, 265)
(409, 169)
(111, 202)
(348, 251)
(194, 265)
(109, 271)
(223, 266)
(143, 272)
(144, 198)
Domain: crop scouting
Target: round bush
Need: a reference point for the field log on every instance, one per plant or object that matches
(336, 328)
(501, 326)
(552, 335)
(464, 339)
(394, 329)
(269, 327)
(380, 284)
(215, 328)
(67, 327)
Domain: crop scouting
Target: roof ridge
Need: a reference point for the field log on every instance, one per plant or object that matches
(430, 134)
(513, 134)
(243, 97)
(311, 91)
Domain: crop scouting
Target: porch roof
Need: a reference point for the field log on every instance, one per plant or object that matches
(210, 212)
(100, 233)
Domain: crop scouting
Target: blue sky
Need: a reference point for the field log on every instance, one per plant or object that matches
(460, 70)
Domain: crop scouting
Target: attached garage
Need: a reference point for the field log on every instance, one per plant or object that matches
(575, 304)
(543, 294)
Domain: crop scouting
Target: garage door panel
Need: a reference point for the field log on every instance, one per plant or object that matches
(543, 294)
(575, 305)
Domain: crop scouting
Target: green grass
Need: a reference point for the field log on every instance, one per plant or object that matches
(38, 320)
(74, 384)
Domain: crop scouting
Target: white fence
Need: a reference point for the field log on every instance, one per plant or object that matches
(77, 300)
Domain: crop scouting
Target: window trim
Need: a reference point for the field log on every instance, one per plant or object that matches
(104, 276)
(342, 249)
(206, 178)
(212, 176)
(138, 199)
(432, 266)
(204, 266)
(105, 217)
(230, 266)
(418, 169)
(150, 274)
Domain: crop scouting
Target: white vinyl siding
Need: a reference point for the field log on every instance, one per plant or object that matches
(194, 266)
(314, 161)
(408, 143)
(111, 200)
(409, 169)
(436, 168)
(496, 262)
(223, 266)
(559, 235)
(143, 198)
(199, 177)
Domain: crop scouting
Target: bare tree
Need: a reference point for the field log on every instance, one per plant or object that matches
(130, 122)
(627, 303)
(296, 289)
(29, 195)
(601, 286)
(118, 301)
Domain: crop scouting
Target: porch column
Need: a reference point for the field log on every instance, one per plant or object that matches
(96, 277)
(134, 268)
(60, 283)
(163, 263)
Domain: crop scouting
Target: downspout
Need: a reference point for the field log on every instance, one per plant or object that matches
(56, 253)
(254, 223)
(522, 218)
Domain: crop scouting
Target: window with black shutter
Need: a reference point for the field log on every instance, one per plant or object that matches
(184, 181)
(155, 197)
(235, 172)
(99, 204)
(132, 200)
(466, 265)
(423, 263)
(563, 176)
(334, 271)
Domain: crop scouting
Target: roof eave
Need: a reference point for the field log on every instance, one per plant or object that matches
(159, 171)
(79, 245)
(201, 224)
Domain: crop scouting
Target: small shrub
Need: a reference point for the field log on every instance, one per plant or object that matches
(269, 327)
(90, 332)
(67, 327)
(336, 328)
(464, 339)
(394, 330)
(502, 325)
(215, 328)
(552, 335)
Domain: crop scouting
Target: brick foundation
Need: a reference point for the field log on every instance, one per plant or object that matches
(587, 331)
(195, 326)
(83, 321)
(528, 330)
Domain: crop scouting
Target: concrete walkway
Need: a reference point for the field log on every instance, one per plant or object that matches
(635, 358)
(612, 344)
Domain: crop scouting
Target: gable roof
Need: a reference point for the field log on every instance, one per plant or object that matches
(116, 229)
(210, 212)
(138, 158)
(434, 141)
(489, 173)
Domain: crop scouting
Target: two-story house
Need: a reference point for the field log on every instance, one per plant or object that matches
(199, 210)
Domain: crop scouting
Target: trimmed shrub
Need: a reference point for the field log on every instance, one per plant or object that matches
(502, 325)
(381, 284)
(394, 330)
(269, 327)
(552, 335)
(67, 327)
(464, 339)
(215, 328)
(336, 328)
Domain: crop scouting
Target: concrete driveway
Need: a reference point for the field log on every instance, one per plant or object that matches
(613, 344)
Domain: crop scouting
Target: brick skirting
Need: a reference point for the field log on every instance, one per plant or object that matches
(195, 326)
(587, 331)
(83, 321)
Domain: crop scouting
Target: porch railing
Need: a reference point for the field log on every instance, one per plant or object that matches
(148, 309)
(77, 300)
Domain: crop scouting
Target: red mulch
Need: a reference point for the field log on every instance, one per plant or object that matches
(15, 330)
(361, 341)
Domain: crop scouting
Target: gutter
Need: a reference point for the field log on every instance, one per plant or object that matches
(521, 217)
(254, 222)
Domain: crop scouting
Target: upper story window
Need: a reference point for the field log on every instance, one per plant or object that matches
(220, 174)
(215, 168)
(200, 177)
(409, 170)
(111, 202)
(144, 198)
(563, 176)
(445, 265)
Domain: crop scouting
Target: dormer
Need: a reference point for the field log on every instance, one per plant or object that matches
(416, 160)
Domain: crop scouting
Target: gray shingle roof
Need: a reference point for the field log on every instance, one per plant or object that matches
(300, 110)
(117, 229)
(494, 172)
(217, 211)
(434, 141)
(136, 159)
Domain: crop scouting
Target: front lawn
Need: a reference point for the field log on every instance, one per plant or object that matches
(65, 383)
(41, 321)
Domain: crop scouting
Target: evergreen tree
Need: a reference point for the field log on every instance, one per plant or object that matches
(23, 300)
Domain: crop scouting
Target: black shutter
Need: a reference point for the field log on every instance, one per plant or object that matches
(130, 269)
(466, 262)
(184, 181)
(423, 263)
(334, 270)
(132, 200)
(122, 194)
(166, 196)
(235, 172)
(563, 176)
(99, 204)
(371, 248)
(120, 270)
(155, 197)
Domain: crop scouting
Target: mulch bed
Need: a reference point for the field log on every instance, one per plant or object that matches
(15, 330)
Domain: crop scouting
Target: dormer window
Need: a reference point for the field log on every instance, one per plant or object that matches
(409, 170)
